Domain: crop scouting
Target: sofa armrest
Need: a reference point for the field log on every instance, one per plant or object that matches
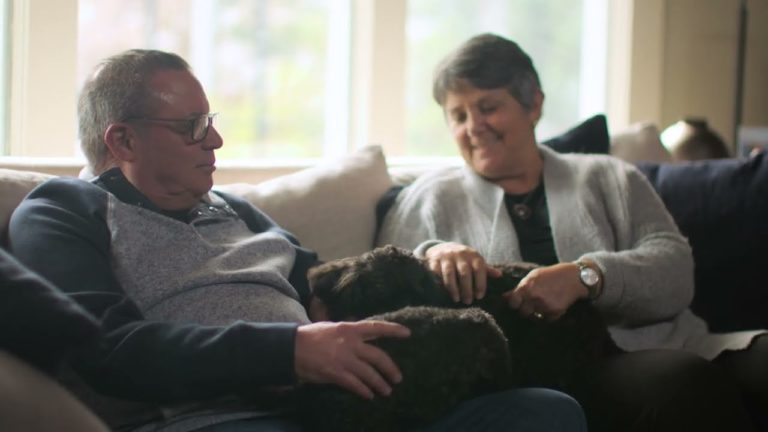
(32, 401)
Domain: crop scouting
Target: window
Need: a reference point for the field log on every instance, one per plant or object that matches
(263, 62)
(308, 78)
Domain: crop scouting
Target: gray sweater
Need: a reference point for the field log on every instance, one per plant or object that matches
(600, 208)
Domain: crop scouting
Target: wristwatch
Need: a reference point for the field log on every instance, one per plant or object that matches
(591, 279)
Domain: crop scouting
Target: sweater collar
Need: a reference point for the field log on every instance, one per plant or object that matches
(115, 182)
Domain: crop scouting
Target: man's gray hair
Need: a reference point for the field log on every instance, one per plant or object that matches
(488, 61)
(117, 90)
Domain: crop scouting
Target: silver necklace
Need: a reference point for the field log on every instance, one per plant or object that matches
(523, 210)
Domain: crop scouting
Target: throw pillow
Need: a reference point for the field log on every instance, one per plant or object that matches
(720, 205)
(589, 136)
(330, 207)
(38, 323)
(639, 143)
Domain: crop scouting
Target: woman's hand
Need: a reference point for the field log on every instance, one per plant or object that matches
(462, 269)
(338, 353)
(547, 292)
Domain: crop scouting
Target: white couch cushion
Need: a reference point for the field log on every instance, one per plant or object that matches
(639, 143)
(331, 207)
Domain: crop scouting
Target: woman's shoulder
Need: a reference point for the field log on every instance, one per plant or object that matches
(433, 186)
(587, 163)
(436, 180)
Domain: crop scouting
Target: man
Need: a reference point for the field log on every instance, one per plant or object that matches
(200, 295)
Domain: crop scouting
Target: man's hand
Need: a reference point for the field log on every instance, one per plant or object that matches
(338, 353)
(462, 269)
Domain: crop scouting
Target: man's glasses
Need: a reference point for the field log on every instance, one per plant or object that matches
(196, 127)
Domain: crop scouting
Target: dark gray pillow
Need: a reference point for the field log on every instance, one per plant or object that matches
(38, 323)
(589, 136)
(721, 206)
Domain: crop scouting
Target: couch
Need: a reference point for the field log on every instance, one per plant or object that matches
(720, 205)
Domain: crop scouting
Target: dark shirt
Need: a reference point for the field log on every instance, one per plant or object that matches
(534, 233)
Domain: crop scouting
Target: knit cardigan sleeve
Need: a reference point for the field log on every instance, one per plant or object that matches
(649, 272)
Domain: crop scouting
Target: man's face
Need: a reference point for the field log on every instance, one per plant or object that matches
(168, 166)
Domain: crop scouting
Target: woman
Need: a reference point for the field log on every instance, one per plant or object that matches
(600, 232)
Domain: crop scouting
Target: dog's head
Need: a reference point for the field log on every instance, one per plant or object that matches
(382, 280)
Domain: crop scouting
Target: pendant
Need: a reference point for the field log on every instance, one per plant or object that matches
(522, 211)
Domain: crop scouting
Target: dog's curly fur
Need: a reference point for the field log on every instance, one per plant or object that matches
(448, 358)
(542, 353)
(432, 384)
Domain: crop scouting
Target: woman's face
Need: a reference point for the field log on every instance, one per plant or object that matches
(491, 128)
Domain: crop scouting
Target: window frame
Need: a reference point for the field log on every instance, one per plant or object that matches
(44, 64)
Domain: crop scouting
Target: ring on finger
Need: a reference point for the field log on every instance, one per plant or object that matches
(538, 315)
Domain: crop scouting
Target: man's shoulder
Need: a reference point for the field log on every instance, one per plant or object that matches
(64, 192)
(61, 187)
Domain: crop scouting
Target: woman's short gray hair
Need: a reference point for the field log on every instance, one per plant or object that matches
(117, 90)
(488, 61)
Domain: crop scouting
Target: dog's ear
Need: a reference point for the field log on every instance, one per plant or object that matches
(335, 283)
(322, 278)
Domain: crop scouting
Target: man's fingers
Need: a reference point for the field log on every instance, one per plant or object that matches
(372, 329)
(369, 376)
(381, 365)
(351, 382)
(377, 361)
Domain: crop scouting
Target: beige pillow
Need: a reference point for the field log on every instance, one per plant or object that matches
(330, 208)
(639, 143)
(14, 186)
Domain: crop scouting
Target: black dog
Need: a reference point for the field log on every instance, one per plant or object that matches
(542, 353)
(438, 373)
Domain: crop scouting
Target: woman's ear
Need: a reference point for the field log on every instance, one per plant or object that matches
(119, 140)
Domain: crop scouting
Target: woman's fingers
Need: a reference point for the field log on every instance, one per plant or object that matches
(462, 269)
(546, 292)
(448, 274)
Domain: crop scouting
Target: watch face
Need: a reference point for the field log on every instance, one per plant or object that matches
(589, 276)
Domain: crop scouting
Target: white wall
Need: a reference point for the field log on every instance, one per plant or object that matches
(691, 69)
(44, 52)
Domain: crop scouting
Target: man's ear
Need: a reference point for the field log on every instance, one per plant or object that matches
(119, 139)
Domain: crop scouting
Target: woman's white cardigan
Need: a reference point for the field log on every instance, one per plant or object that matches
(599, 208)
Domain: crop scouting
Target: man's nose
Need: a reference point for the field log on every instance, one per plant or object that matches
(213, 141)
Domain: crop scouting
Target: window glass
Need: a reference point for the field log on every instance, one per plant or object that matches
(262, 62)
(278, 70)
(550, 31)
